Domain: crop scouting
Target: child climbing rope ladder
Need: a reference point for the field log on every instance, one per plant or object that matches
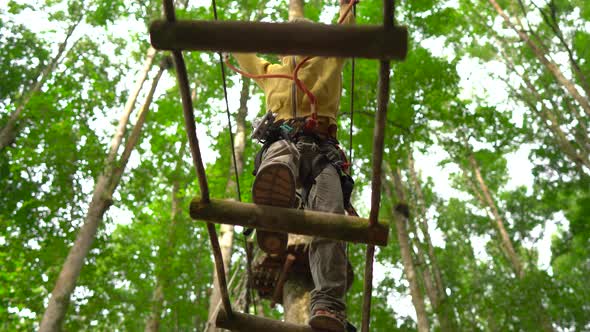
(301, 151)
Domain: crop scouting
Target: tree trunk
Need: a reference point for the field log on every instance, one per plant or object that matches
(422, 268)
(130, 105)
(241, 294)
(296, 9)
(153, 321)
(101, 200)
(226, 235)
(297, 299)
(549, 65)
(551, 121)
(552, 22)
(9, 132)
(166, 250)
(504, 237)
(406, 252)
(577, 115)
(507, 245)
(424, 226)
(444, 314)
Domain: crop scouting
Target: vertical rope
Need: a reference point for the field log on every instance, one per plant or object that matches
(187, 106)
(249, 293)
(368, 288)
(231, 135)
(351, 114)
(378, 147)
(350, 161)
(190, 127)
(230, 130)
(352, 79)
(189, 121)
(380, 118)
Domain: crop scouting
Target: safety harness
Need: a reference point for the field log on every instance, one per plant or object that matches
(327, 153)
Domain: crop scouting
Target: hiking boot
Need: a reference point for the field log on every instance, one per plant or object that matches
(328, 320)
(274, 185)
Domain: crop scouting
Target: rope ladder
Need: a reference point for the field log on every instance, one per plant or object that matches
(385, 43)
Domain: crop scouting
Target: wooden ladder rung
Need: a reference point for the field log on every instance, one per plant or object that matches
(362, 41)
(245, 322)
(295, 221)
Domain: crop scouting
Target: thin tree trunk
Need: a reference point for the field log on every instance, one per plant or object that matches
(538, 39)
(444, 314)
(130, 105)
(297, 299)
(551, 121)
(421, 263)
(422, 269)
(133, 138)
(551, 22)
(549, 65)
(9, 131)
(296, 9)
(546, 114)
(166, 250)
(240, 293)
(101, 200)
(405, 248)
(504, 237)
(578, 132)
(227, 231)
(153, 321)
(507, 245)
(510, 64)
(582, 121)
(424, 226)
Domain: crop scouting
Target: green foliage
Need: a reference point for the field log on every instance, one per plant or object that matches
(47, 174)
(24, 55)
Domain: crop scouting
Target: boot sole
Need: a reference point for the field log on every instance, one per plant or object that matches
(274, 185)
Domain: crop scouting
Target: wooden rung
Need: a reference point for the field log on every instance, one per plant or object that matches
(362, 41)
(295, 221)
(245, 322)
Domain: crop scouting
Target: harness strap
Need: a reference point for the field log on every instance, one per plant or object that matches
(294, 91)
(325, 152)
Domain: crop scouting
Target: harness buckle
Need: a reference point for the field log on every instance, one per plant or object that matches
(286, 128)
(262, 125)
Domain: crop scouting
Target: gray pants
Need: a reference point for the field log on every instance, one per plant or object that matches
(327, 258)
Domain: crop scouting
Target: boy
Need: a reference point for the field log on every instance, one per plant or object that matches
(304, 154)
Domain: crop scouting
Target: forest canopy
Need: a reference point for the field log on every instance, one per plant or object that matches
(487, 142)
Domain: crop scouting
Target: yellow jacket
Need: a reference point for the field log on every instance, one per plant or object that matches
(321, 75)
